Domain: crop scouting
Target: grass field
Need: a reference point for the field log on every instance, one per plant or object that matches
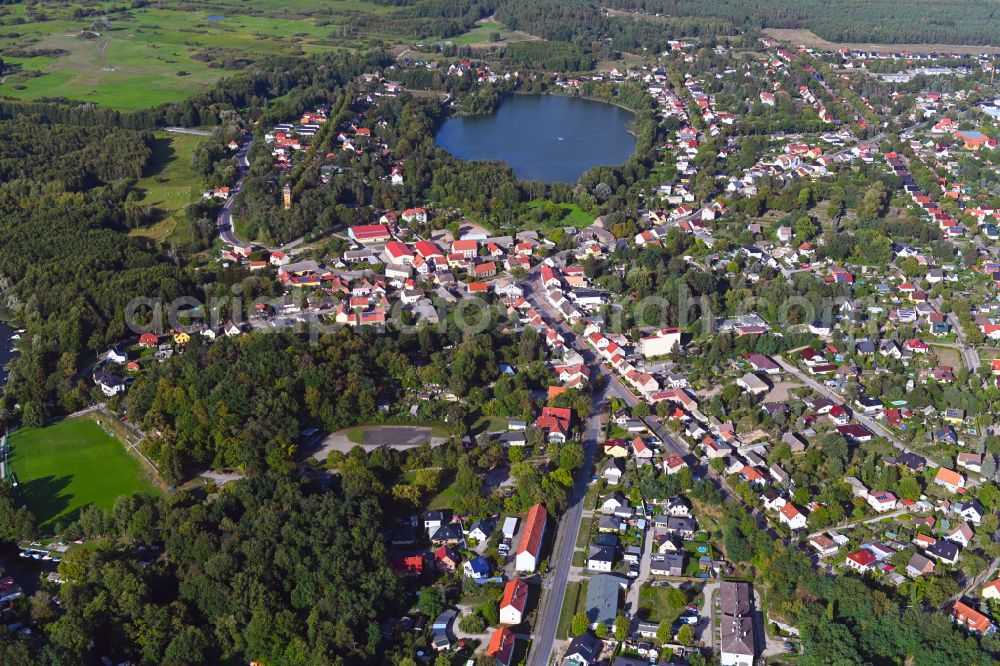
(574, 602)
(480, 35)
(654, 605)
(169, 184)
(64, 467)
(572, 215)
(804, 37)
(149, 56)
(444, 499)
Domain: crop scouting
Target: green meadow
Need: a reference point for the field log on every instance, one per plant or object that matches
(152, 55)
(62, 468)
(168, 185)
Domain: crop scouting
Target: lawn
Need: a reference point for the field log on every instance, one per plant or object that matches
(444, 499)
(480, 35)
(583, 538)
(168, 185)
(64, 467)
(574, 602)
(571, 215)
(655, 606)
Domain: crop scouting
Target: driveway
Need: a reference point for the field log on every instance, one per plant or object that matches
(632, 596)
(704, 631)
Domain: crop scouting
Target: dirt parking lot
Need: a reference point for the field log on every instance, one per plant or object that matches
(396, 437)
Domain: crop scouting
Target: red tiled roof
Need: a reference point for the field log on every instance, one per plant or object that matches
(862, 557)
(534, 528)
(501, 646)
(515, 593)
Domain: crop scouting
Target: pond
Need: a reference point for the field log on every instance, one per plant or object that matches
(551, 138)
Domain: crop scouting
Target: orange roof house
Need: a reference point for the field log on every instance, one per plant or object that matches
(530, 547)
(514, 602)
(554, 421)
(501, 646)
(950, 479)
(971, 618)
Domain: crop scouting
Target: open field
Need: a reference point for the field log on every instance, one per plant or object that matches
(64, 467)
(148, 56)
(803, 37)
(948, 356)
(168, 185)
(479, 37)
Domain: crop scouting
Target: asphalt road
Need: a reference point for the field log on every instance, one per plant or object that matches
(554, 584)
(225, 219)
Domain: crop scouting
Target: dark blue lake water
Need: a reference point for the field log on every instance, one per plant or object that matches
(543, 137)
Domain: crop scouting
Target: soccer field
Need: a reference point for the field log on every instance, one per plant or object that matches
(64, 467)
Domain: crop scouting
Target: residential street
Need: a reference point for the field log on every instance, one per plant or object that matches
(866, 521)
(225, 221)
(866, 421)
(554, 583)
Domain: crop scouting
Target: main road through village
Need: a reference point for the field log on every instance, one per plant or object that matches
(554, 583)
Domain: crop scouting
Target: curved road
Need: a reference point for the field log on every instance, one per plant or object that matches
(225, 219)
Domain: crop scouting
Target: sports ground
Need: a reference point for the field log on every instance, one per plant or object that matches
(64, 467)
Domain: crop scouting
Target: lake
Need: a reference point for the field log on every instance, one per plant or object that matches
(551, 138)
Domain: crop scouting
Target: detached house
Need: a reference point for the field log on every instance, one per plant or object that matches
(975, 621)
(529, 550)
(554, 422)
(791, 516)
(514, 602)
(950, 479)
(882, 501)
(612, 471)
(861, 561)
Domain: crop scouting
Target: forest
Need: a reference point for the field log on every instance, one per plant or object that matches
(243, 402)
(66, 267)
(880, 21)
(270, 569)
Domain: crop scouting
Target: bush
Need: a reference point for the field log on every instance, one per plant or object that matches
(473, 623)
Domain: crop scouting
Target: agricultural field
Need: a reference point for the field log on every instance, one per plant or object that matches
(168, 185)
(138, 58)
(804, 37)
(64, 467)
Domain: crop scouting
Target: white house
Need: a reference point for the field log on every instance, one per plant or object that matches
(660, 343)
(514, 601)
(791, 516)
(882, 500)
(530, 547)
